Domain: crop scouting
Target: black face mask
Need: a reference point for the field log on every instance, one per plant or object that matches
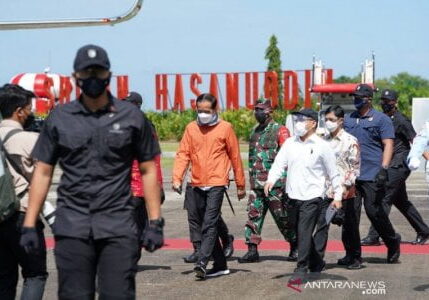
(261, 116)
(93, 86)
(387, 107)
(29, 122)
(359, 103)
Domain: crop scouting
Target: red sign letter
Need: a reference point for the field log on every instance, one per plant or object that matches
(271, 89)
(179, 103)
(161, 91)
(251, 80)
(232, 91)
(194, 82)
(290, 99)
(122, 86)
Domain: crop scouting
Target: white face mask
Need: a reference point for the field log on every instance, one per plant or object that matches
(205, 118)
(299, 129)
(331, 126)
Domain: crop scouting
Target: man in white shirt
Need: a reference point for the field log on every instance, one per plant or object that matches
(310, 161)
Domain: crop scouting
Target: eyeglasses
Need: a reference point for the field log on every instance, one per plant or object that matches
(93, 72)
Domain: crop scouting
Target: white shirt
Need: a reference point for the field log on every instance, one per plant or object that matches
(308, 164)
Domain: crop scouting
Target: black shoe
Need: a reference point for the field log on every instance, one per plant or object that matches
(251, 256)
(355, 265)
(193, 258)
(215, 271)
(421, 239)
(370, 241)
(345, 261)
(228, 246)
(293, 253)
(319, 269)
(200, 270)
(394, 252)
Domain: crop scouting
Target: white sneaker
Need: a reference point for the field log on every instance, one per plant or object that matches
(214, 272)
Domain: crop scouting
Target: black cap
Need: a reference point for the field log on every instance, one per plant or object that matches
(308, 112)
(363, 90)
(389, 95)
(135, 98)
(91, 55)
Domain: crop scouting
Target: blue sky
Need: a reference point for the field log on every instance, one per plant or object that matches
(177, 36)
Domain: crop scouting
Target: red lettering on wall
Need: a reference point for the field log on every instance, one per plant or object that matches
(195, 80)
(214, 87)
(251, 82)
(271, 90)
(232, 91)
(122, 86)
(290, 94)
(161, 92)
(179, 100)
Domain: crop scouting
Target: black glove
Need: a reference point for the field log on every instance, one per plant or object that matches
(338, 218)
(381, 177)
(30, 240)
(153, 237)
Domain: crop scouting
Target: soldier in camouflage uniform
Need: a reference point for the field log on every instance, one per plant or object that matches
(265, 142)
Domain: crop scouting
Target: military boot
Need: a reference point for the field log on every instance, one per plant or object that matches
(293, 253)
(251, 256)
(194, 256)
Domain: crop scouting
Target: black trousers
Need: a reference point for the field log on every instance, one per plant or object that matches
(12, 255)
(113, 261)
(208, 209)
(194, 208)
(305, 214)
(350, 229)
(372, 196)
(396, 194)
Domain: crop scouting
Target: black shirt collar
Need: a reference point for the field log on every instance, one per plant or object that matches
(77, 106)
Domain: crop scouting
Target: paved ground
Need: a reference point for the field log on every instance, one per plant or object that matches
(164, 275)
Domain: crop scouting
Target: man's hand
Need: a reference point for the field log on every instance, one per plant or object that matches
(153, 237)
(177, 187)
(268, 187)
(381, 177)
(30, 240)
(337, 204)
(413, 163)
(241, 193)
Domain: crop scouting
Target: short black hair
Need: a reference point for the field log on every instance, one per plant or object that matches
(336, 109)
(12, 97)
(207, 97)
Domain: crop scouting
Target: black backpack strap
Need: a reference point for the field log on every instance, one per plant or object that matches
(10, 134)
(12, 162)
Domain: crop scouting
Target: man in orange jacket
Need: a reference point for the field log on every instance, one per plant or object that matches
(211, 147)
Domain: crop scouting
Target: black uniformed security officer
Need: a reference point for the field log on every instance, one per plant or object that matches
(375, 134)
(398, 172)
(95, 139)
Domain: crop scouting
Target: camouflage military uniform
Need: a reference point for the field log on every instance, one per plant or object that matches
(265, 142)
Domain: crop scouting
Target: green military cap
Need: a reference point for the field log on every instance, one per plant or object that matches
(263, 103)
